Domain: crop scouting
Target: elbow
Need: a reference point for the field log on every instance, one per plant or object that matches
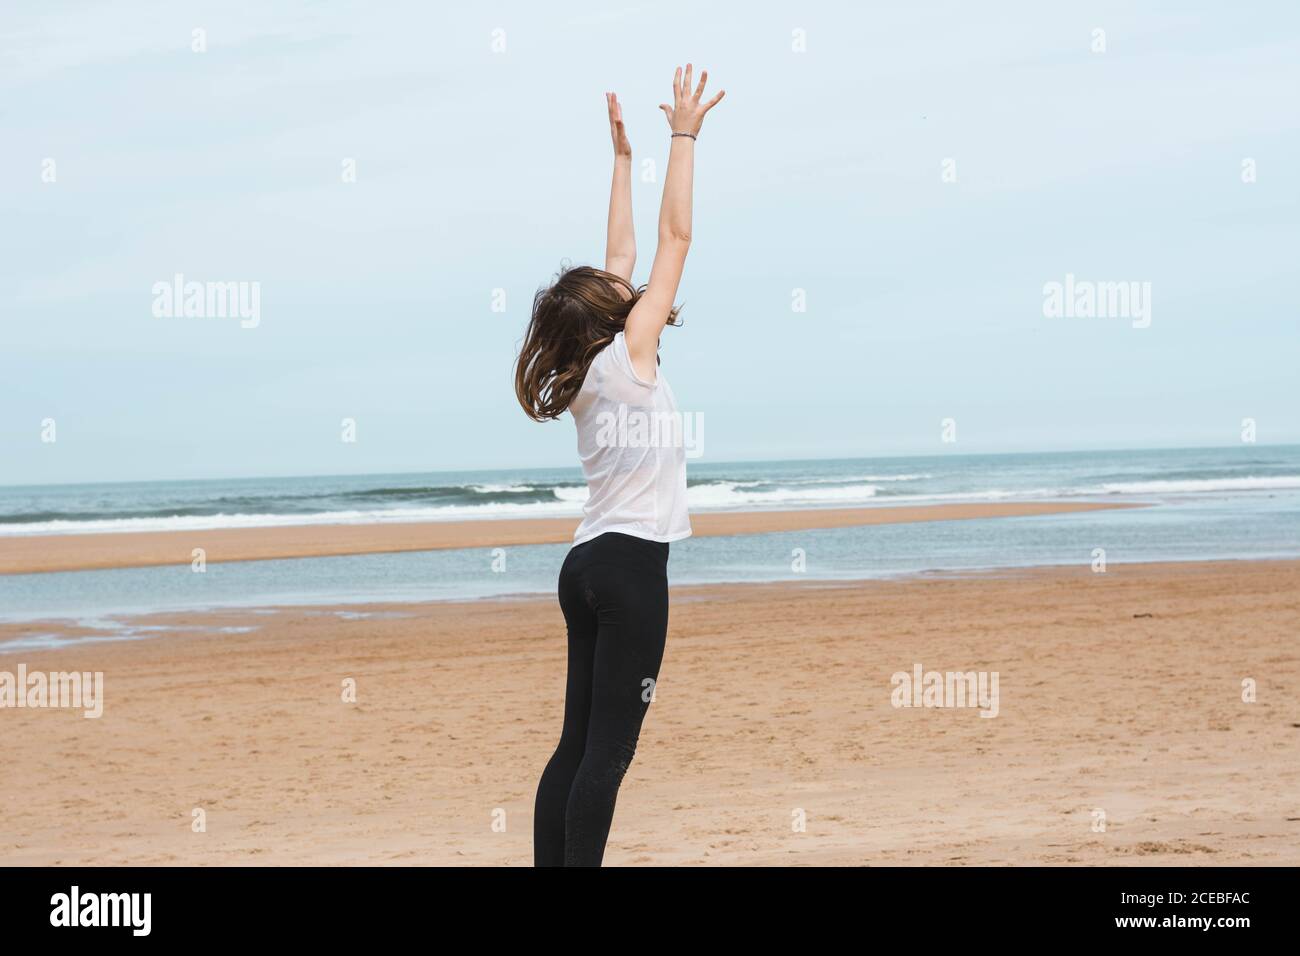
(675, 237)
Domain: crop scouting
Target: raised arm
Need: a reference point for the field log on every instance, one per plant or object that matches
(650, 314)
(620, 242)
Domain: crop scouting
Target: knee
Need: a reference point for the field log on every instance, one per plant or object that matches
(571, 748)
(613, 755)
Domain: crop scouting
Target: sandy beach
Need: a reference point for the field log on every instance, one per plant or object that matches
(84, 552)
(965, 426)
(1120, 694)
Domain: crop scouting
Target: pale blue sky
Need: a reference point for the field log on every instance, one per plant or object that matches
(480, 170)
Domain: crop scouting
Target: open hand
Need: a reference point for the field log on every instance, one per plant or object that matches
(616, 131)
(686, 115)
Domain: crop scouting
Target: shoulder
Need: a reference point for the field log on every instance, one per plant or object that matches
(611, 378)
(618, 358)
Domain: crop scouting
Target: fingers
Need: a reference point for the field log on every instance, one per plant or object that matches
(682, 87)
(615, 112)
(715, 101)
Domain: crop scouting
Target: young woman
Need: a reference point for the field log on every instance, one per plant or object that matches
(592, 349)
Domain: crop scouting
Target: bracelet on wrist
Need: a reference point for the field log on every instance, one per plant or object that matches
(691, 135)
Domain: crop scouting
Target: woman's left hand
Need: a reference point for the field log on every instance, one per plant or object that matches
(686, 115)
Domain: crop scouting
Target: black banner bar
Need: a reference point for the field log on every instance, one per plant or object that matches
(1215, 906)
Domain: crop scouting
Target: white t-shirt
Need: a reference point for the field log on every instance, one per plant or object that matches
(631, 443)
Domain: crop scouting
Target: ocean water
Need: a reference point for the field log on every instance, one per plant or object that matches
(363, 499)
(1229, 503)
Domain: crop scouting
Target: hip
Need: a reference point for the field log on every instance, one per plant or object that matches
(617, 549)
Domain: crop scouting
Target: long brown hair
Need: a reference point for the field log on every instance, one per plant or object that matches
(572, 320)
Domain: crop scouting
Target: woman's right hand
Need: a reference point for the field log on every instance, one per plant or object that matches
(686, 115)
(617, 131)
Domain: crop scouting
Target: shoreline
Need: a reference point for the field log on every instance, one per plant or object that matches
(11, 630)
(39, 554)
(1120, 692)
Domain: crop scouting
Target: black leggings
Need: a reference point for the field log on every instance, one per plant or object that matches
(614, 595)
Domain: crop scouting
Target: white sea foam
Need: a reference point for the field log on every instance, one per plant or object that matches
(576, 493)
(728, 494)
(1192, 485)
(917, 477)
(537, 509)
(720, 495)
